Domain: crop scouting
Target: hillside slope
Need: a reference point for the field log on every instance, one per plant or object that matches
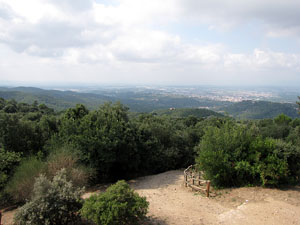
(261, 109)
(185, 112)
(141, 101)
(58, 100)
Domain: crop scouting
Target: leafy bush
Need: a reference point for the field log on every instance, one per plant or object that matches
(219, 151)
(21, 185)
(272, 167)
(163, 143)
(52, 203)
(118, 205)
(8, 161)
(66, 157)
(291, 153)
(104, 138)
(233, 155)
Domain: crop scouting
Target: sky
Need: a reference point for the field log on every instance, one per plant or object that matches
(162, 42)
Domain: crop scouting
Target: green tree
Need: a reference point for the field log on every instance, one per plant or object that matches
(53, 202)
(234, 155)
(2, 103)
(105, 139)
(163, 143)
(282, 119)
(219, 152)
(8, 162)
(11, 107)
(119, 205)
(278, 128)
(20, 185)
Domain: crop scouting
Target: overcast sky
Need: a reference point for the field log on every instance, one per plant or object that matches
(198, 42)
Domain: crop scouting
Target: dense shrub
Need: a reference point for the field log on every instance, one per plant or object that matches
(118, 205)
(52, 203)
(291, 153)
(164, 143)
(104, 138)
(67, 158)
(8, 161)
(21, 185)
(271, 167)
(118, 146)
(233, 155)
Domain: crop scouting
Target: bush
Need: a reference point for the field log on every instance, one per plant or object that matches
(21, 185)
(52, 203)
(218, 154)
(233, 156)
(271, 166)
(8, 161)
(118, 205)
(67, 158)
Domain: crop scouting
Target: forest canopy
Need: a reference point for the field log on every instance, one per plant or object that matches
(109, 144)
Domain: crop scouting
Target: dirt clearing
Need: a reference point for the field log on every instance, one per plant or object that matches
(172, 203)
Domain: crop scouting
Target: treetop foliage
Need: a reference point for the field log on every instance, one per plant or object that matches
(119, 205)
(235, 155)
(53, 202)
(113, 144)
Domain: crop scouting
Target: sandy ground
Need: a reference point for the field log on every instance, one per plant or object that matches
(172, 203)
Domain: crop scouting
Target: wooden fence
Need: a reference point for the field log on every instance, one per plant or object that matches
(192, 178)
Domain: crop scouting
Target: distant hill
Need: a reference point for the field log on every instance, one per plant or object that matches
(261, 109)
(58, 100)
(136, 101)
(149, 101)
(185, 112)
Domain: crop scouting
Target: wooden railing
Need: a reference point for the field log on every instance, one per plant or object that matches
(192, 178)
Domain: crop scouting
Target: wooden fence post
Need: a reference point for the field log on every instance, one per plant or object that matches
(185, 179)
(199, 177)
(207, 188)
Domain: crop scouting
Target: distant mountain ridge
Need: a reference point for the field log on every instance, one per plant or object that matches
(261, 109)
(59, 100)
(149, 101)
(136, 101)
(185, 112)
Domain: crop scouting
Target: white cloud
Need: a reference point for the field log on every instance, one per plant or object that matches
(142, 12)
(145, 46)
(31, 10)
(73, 5)
(75, 37)
(280, 17)
(263, 60)
(206, 55)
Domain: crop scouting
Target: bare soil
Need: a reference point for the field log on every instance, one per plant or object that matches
(173, 204)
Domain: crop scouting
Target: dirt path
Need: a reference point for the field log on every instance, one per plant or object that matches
(173, 204)
(7, 217)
